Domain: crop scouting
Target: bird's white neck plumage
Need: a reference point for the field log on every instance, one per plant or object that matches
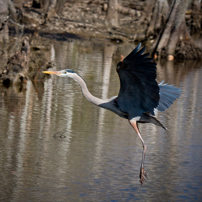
(85, 91)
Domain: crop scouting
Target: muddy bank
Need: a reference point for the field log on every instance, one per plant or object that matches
(136, 20)
(88, 19)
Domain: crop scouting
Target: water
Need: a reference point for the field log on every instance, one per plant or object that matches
(56, 146)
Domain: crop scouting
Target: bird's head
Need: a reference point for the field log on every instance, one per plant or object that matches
(63, 73)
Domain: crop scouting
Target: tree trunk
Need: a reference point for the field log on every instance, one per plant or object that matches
(160, 9)
(6, 9)
(175, 34)
(59, 6)
(195, 16)
(51, 8)
(17, 66)
(112, 19)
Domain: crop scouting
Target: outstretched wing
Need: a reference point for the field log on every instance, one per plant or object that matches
(168, 94)
(139, 91)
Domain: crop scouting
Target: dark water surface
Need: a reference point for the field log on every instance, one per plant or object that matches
(56, 146)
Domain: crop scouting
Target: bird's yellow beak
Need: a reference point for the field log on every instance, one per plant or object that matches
(52, 72)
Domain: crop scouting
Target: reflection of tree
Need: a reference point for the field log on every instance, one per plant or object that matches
(63, 53)
(175, 73)
(13, 98)
(107, 65)
(108, 55)
(29, 120)
(13, 112)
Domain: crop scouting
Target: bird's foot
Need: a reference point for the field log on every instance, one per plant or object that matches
(143, 175)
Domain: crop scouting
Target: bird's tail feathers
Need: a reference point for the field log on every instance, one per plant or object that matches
(146, 118)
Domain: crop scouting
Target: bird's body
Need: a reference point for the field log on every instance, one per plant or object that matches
(140, 96)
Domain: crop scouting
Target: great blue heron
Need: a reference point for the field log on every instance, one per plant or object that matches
(140, 96)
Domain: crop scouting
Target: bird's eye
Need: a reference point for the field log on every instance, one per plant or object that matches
(65, 72)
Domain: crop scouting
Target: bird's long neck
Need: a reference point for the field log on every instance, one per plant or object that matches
(85, 91)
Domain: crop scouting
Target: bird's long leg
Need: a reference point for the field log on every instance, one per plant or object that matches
(143, 173)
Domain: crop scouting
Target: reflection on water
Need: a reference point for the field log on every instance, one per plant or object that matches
(56, 146)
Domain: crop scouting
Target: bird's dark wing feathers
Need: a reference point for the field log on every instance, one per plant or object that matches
(139, 91)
